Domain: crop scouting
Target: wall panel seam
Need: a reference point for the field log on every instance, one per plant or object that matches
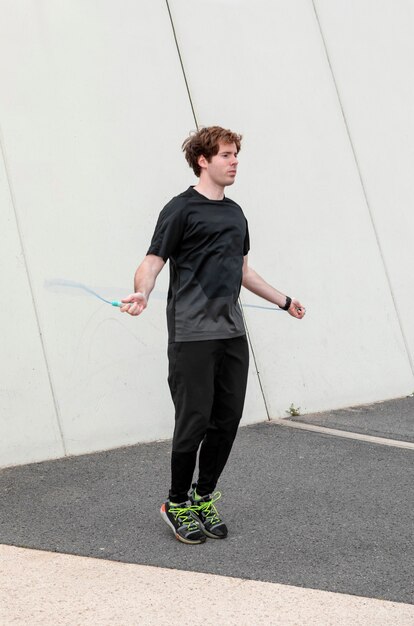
(256, 366)
(364, 191)
(196, 122)
(30, 284)
(181, 62)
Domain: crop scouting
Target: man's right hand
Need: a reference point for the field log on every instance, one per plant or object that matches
(134, 304)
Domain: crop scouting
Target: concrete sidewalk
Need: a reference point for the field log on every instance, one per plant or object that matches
(320, 533)
(42, 588)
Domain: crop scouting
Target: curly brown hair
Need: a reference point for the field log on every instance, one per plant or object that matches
(205, 142)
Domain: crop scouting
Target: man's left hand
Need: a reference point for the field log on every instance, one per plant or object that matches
(296, 309)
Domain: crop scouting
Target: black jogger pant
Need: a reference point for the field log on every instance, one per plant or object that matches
(208, 381)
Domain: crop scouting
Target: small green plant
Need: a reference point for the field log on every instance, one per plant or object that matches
(293, 410)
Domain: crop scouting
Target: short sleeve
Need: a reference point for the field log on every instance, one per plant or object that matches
(246, 245)
(168, 232)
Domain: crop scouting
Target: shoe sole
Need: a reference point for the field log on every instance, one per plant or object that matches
(177, 536)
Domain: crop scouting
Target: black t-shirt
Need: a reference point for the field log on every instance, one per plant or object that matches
(205, 241)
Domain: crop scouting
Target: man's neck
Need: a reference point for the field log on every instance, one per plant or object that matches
(210, 190)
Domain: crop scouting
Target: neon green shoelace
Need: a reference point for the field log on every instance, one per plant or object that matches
(183, 514)
(208, 509)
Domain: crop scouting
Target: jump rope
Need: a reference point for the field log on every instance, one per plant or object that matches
(55, 284)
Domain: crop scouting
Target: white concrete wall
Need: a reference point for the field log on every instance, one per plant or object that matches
(93, 110)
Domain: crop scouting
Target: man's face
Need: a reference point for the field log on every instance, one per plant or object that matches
(222, 168)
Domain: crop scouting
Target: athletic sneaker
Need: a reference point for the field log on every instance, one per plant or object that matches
(210, 520)
(183, 522)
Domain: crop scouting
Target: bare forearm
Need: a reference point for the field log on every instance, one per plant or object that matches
(146, 275)
(257, 285)
(144, 281)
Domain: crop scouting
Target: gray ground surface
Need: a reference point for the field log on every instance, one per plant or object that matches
(303, 508)
(393, 419)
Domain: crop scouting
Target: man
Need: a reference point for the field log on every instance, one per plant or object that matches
(205, 237)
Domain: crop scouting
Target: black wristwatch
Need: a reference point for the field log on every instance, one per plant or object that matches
(287, 304)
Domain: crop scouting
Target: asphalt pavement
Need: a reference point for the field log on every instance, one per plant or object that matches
(303, 508)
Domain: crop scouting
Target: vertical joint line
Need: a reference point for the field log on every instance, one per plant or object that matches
(196, 123)
(364, 191)
(181, 63)
(29, 280)
(255, 361)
